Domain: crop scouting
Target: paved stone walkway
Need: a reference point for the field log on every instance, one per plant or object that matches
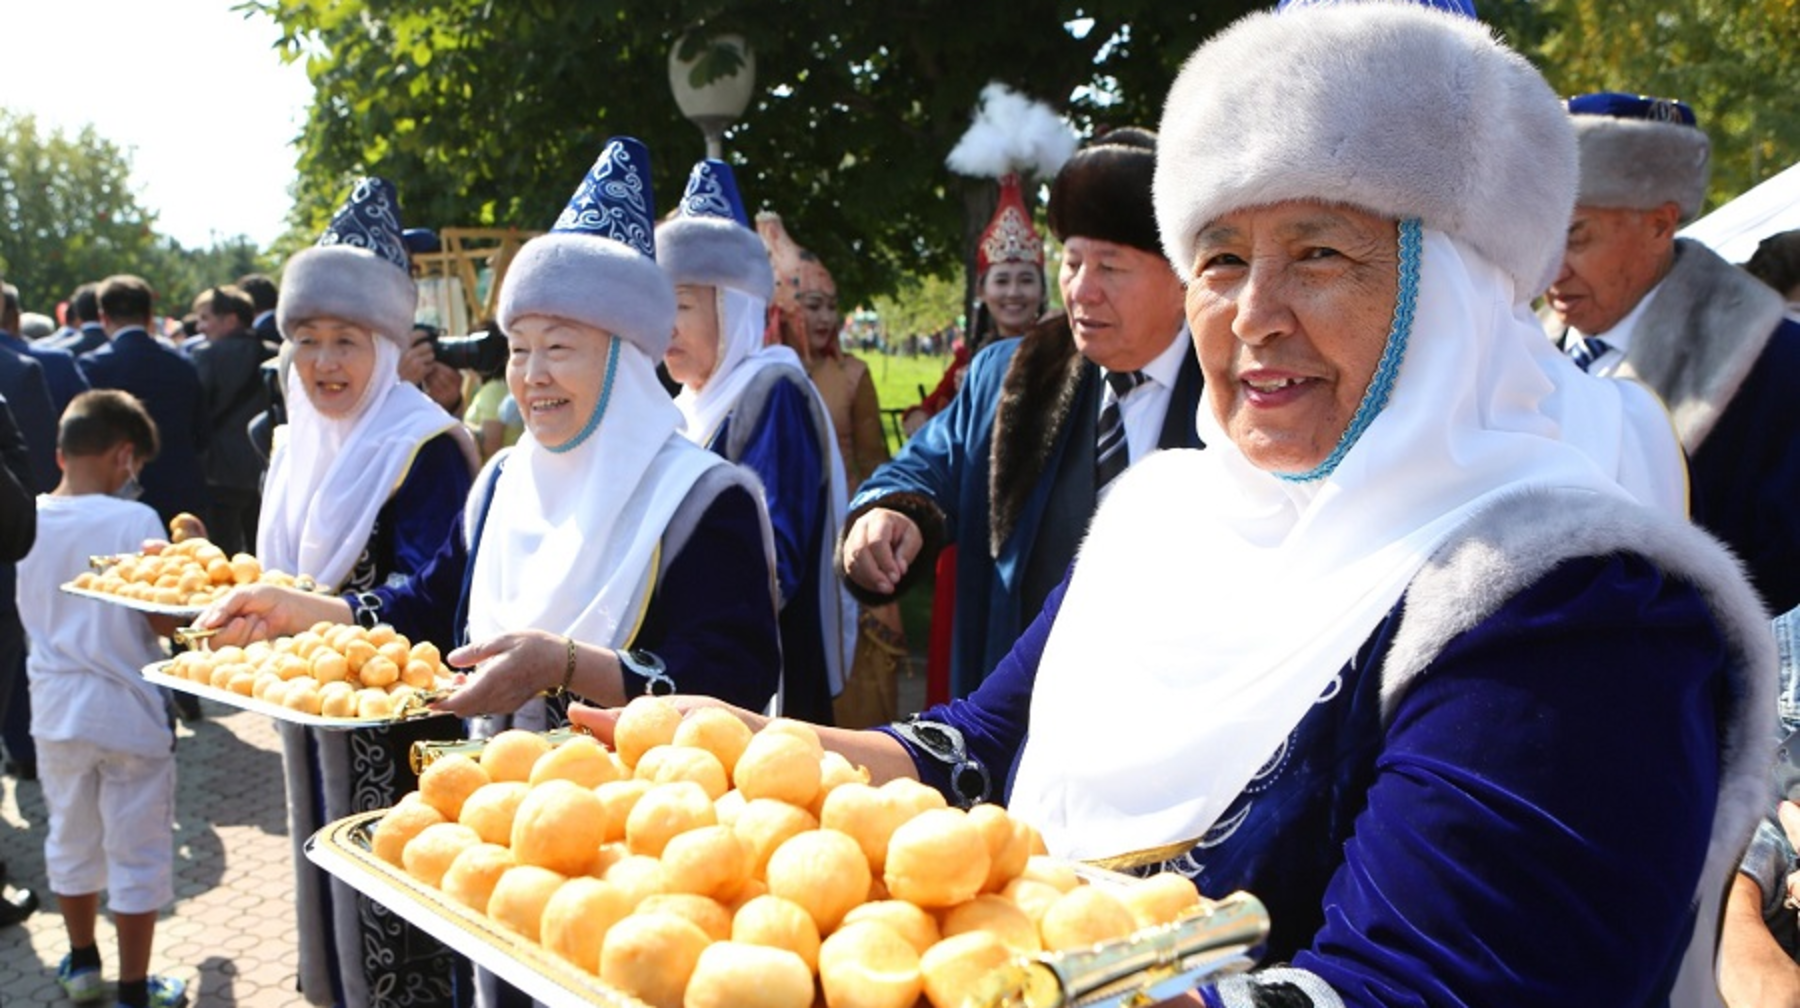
(230, 932)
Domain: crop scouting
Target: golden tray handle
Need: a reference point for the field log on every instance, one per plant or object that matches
(188, 636)
(1215, 939)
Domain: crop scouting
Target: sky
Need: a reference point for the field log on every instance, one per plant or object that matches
(195, 94)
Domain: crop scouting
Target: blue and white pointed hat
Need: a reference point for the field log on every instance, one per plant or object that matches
(359, 271)
(597, 266)
(709, 241)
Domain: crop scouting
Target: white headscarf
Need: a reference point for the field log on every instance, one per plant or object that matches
(570, 541)
(330, 476)
(1213, 603)
(742, 356)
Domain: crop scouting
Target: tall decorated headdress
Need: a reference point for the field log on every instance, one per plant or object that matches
(709, 241)
(359, 270)
(1011, 134)
(597, 265)
(796, 271)
(1640, 152)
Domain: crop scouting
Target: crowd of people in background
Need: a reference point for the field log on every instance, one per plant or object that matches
(659, 468)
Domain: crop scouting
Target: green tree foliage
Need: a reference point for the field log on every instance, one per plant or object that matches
(1732, 60)
(67, 212)
(486, 113)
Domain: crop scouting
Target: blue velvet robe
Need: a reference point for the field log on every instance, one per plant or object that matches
(1524, 829)
(783, 450)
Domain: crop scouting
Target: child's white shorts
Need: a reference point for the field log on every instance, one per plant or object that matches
(112, 824)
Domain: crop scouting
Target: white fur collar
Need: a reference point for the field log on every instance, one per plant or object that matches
(1706, 328)
(1514, 543)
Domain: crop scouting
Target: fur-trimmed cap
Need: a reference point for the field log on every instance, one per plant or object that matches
(597, 266)
(1399, 109)
(709, 241)
(359, 271)
(1640, 152)
(1104, 191)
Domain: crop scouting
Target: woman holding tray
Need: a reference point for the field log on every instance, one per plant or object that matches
(605, 554)
(366, 479)
(1420, 650)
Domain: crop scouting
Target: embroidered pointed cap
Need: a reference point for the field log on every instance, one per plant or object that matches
(358, 272)
(614, 200)
(597, 265)
(1010, 236)
(709, 241)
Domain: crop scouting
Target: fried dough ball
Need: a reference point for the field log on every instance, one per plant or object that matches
(418, 675)
(1051, 872)
(667, 810)
(730, 974)
(300, 695)
(608, 855)
(938, 859)
(765, 824)
(617, 799)
(798, 729)
(510, 755)
(329, 666)
(638, 877)
(869, 965)
(1031, 896)
(378, 672)
(429, 854)
(520, 896)
(581, 760)
(666, 763)
(779, 765)
(728, 806)
(245, 569)
(835, 770)
(997, 915)
(710, 861)
(912, 923)
(490, 810)
(449, 781)
(822, 870)
(577, 918)
(337, 699)
(1083, 916)
(560, 826)
(407, 819)
(717, 731)
(1160, 899)
(953, 967)
(645, 723)
(708, 913)
(372, 703)
(912, 797)
(1008, 844)
(779, 923)
(868, 814)
(471, 878)
(651, 957)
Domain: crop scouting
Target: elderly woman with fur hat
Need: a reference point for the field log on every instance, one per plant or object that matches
(367, 478)
(604, 555)
(1419, 650)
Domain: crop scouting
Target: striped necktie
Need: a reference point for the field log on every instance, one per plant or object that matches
(1587, 350)
(1111, 453)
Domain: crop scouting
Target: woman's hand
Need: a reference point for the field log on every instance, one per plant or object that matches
(261, 611)
(879, 548)
(506, 671)
(602, 720)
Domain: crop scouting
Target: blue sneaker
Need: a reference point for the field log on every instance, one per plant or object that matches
(166, 991)
(80, 984)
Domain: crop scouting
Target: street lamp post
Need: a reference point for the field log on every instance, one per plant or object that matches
(713, 105)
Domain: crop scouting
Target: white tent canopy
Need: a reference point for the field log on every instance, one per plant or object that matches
(1735, 229)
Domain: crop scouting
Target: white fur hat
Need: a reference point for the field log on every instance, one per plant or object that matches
(709, 241)
(359, 270)
(597, 265)
(1640, 152)
(1401, 110)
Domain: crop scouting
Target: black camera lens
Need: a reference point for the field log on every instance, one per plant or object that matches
(482, 352)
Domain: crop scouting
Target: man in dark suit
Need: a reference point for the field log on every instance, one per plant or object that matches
(229, 362)
(60, 371)
(262, 298)
(167, 385)
(86, 333)
(18, 529)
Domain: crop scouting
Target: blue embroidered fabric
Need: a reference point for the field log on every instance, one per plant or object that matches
(614, 200)
(370, 219)
(712, 192)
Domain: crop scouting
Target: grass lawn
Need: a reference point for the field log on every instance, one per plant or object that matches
(897, 381)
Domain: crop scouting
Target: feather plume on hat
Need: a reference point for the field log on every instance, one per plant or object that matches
(1012, 133)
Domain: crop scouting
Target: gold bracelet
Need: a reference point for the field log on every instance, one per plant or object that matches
(569, 668)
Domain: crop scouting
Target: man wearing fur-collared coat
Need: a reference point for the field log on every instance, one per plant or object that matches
(1632, 301)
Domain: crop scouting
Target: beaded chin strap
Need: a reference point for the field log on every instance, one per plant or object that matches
(1412, 240)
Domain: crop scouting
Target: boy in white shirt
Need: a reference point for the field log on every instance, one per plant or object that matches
(105, 746)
